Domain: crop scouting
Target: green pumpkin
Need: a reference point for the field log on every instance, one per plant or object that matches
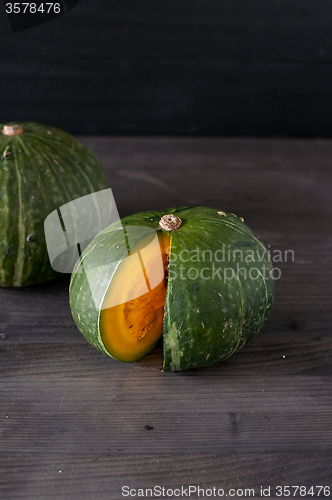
(197, 277)
(41, 169)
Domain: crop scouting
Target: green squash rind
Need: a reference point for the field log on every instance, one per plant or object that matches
(40, 170)
(206, 321)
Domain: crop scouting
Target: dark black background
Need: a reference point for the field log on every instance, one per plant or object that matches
(188, 67)
(27, 15)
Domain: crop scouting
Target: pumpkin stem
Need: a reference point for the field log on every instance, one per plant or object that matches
(170, 222)
(12, 130)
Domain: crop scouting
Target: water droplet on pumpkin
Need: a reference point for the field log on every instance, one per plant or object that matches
(152, 218)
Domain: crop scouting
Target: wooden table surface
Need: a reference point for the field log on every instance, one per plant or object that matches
(75, 424)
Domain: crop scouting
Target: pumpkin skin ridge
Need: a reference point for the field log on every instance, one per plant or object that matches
(19, 265)
(246, 328)
(40, 188)
(68, 159)
(44, 188)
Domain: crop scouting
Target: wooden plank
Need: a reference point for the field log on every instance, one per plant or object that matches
(289, 353)
(103, 476)
(188, 413)
(281, 186)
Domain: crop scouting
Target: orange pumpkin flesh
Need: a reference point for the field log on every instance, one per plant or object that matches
(131, 320)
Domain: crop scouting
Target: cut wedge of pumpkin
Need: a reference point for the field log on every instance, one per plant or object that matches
(131, 320)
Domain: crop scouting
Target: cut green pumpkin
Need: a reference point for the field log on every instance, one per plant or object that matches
(139, 281)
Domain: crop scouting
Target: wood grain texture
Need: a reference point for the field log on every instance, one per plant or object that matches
(102, 476)
(216, 68)
(261, 418)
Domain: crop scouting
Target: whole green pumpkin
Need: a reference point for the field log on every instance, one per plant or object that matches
(198, 277)
(41, 169)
